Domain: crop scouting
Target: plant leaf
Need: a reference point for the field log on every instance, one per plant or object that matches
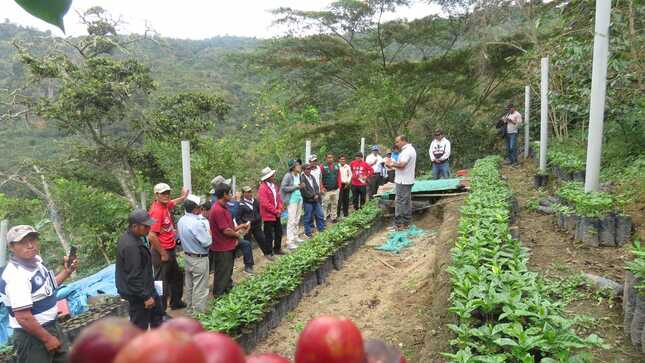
(51, 11)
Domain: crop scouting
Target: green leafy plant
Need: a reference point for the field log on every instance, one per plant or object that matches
(637, 265)
(592, 204)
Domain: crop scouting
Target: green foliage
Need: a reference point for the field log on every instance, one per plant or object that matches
(248, 301)
(18, 210)
(51, 11)
(502, 313)
(592, 204)
(637, 265)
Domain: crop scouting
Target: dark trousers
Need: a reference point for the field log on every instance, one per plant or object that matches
(358, 196)
(223, 265)
(343, 200)
(273, 235)
(246, 248)
(30, 349)
(142, 317)
(172, 277)
(373, 182)
(258, 235)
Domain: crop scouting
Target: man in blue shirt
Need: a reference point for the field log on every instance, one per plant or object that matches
(195, 236)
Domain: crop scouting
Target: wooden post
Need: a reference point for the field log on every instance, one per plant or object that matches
(544, 113)
(363, 146)
(4, 228)
(307, 151)
(598, 91)
(527, 111)
(185, 164)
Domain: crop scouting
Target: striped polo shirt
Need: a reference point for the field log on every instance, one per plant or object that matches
(24, 287)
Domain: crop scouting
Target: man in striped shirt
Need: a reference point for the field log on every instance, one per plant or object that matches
(28, 290)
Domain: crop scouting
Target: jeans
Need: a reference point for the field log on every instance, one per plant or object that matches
(330, 204)
(247, 251)
(511, 146)
(359, 196)
(172, 277)
(440, 171)
(294, 211)
(313, 210)
(403, 205)
(273, 235)
(196, 283)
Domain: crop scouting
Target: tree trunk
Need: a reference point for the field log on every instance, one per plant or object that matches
(126, 188)
(52, 209)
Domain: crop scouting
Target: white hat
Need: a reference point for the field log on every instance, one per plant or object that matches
(313, 157)
(17, 233)
(194, 198)
(266, 173)
(161, 187)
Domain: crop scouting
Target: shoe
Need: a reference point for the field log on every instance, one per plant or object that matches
(291, 247)
(393, 228)
(249, 270)
(334, 221)
(269, 257)
(299, 241)
(279, 253)
(178, 306)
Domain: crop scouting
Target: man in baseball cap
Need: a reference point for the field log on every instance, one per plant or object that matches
(29, 292)
(163, 240)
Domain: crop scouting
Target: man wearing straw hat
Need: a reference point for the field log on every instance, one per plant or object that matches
(270, 210)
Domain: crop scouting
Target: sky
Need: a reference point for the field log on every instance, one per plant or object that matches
(191, 19)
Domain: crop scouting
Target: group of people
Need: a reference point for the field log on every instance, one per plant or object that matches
(210, 233)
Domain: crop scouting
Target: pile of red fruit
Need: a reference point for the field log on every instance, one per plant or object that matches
(325, 339)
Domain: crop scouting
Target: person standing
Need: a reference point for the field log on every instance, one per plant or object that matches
(290, 190)
(329, 176)
(344, 182)
(270, 210)
(361, 171)
(316, 170)
(163, 239)
(226, 237)
(440, 155)
(375, 161)
(513, 120)
(28, 290)
(250, 212)
(404, 180)
(312, 196)
(133, 272)
(195, 235)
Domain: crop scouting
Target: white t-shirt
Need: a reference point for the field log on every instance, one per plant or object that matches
(375, 161)
(317, 173)
(511, 127)
(406, 175)
(23, 287)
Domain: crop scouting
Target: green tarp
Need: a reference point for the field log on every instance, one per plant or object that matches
(424, 186)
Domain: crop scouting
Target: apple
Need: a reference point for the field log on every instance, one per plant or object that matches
(161, 346)
(267, 358)
(101, 341)
(331, 340)
(184, 324)
(219, 348)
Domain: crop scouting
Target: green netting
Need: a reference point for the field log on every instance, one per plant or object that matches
(398, 240)
(421, 186)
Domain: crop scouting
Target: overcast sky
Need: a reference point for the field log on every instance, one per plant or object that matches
(194, 19)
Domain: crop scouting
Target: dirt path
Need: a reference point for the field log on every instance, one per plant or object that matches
(391, 302)
(557, 256)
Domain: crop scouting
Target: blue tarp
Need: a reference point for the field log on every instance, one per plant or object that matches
(76, 293)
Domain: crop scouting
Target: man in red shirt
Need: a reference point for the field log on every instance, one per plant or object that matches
(226, 237)
(162, 237)
(360, 172)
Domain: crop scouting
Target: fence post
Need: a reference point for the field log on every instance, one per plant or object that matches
(544, 113)
(234, 184)
(4, 227)
(185, 164)
(363, 145)
(527, 111)
(307, 151)
(144, 198)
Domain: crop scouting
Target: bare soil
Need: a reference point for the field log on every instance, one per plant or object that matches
(401, 298)
(555, 254)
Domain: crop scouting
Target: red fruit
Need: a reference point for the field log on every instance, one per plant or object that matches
(161, 346)
(101, 341)
(219, 348)
(377, 351)
(331, 340)
(183, 324)
(267, 358)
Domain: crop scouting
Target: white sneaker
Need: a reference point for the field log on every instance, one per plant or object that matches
(299, 241)
(291, 246)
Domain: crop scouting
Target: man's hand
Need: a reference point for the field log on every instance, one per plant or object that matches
(52, 343)
(70, 266)
(165, 256)
(301, 186)
(149, 304)
(184, 192)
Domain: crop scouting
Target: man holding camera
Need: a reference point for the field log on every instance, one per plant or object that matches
(513, 120)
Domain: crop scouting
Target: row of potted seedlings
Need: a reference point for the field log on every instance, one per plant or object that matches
(503, 313)
(591, 217)
(634, 299)
(567, 166)
(258, 304)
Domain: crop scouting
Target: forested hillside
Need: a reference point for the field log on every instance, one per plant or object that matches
(336, 76)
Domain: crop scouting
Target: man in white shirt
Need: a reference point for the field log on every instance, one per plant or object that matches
(345, 181)
(513, 120)
(28, 290)
(439, 155)
(316, 170)
(404, 180)
(375, 160)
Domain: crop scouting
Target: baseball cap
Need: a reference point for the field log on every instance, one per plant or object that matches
(140, 216)
(194, 198)
(17, 233)
(161, 188)
(313, 157)
(375, 148)
(246, 189)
